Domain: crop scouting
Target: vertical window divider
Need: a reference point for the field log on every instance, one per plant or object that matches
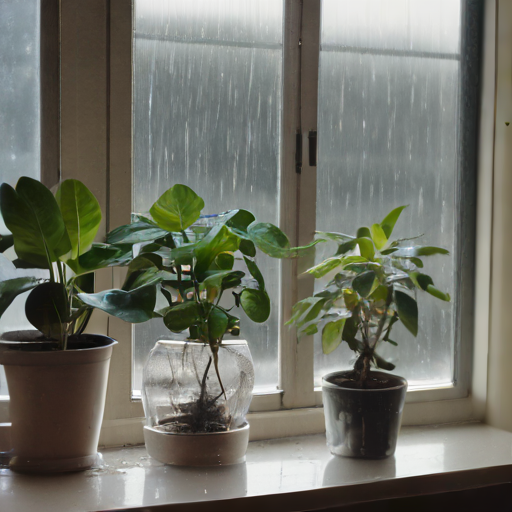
(302, 36)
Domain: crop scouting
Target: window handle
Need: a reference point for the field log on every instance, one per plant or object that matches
(312, 148)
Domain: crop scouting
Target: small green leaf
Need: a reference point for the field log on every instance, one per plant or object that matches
(331, 235)
(380, 362)
(256, 304)
(378, 236)
(247, 247)
(345, 247)
(428, 251)
(310, 330)
(225, 261)
(182, 316)
(255, 272)
(363, 233)
(389, 221)
(407, 311)
(217, 323)
(220, 239)
(177, 208)
(223, 280)
(366, 248)
(102, 256)
(438, 293)
(331, 335)
(325, 267)
(240, 219)
(363, 283)
(385, 252)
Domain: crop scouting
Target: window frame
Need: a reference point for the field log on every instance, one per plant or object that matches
(96, 146)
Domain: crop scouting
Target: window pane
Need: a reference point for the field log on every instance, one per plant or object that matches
(388, 131)
(207, 113)
(19, 118)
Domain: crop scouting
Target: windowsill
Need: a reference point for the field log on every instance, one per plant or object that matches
(295, 473)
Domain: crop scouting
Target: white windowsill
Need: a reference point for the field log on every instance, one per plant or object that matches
(296, 473)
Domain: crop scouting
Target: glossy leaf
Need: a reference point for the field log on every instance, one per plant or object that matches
(223, 279)
(47, 309)
(363, 284)
(217, 241)
(407, 311)
(136, 232)
(133, 306)
(32, 215)
(331, 335)
(325, 267)
(255, 272)
(182, 316)
(389, 221)
(217, 323)
(366, 248)
(378, 236)
(81, 214)
(11, 288)
(102, 256)
(256, 304)
(177, 208)
(240, 219)
(224, 261)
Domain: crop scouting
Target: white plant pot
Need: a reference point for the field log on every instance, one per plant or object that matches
(56, 404)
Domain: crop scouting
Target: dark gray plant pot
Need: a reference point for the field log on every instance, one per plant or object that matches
(363, 423)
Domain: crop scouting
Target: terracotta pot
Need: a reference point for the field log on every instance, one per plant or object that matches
(56, 402)
(363, 423)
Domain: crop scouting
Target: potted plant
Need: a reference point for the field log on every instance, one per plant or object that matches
(196, 392)
(373, 286)
(56, 374)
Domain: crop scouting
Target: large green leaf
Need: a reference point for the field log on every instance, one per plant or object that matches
(220, 239)
(272, 241)
(177, 208)
(102, 256)
(32, 215)
(240, 220)
(133, 306)
(81, 213)
(182, 316)
(134, 233)
(256, 304)
(255, 272)
(407, 311)
(331, 335)
(11, 288)
(217, 323)
(389, 221)
(47, 309)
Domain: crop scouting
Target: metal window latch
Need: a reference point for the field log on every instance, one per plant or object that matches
(312, 148)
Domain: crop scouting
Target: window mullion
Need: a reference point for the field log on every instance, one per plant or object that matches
(301, 81)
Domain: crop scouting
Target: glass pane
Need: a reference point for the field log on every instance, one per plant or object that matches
(19, 118)
(388, 135)
(207, 113)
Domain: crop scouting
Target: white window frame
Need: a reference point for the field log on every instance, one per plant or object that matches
(96, 147)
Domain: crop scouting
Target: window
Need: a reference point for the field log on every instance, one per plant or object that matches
(221, 88)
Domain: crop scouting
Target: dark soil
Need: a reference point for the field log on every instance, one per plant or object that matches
(32, 340)
(376, 380)
(201, 416)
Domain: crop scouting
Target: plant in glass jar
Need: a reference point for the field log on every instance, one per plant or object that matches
(202, 385)
(56, 374)
(373, 287)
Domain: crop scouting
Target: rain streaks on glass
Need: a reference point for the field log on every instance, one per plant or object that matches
(388, 135)
(207, 113)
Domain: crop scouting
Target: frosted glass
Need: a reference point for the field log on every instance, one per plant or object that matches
(388, 135)
(19, 119)
(207, 113)
(19, 90)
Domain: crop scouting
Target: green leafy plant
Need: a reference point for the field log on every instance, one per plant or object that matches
(56, 234)
(373, 288)
(196, 267)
